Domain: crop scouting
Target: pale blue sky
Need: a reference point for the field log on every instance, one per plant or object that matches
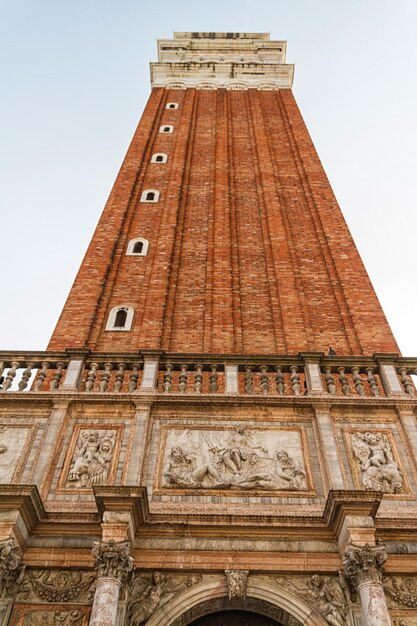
(75, 78)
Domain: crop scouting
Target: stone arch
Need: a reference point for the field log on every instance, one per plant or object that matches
(211, 595)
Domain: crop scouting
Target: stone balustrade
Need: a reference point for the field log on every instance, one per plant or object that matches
(307, 374)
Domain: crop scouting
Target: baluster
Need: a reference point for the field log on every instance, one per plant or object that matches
(329, 380)
(213, 379)
(104, 379)
(407, 384)
(357, 381)
(118, 379)
(167, 384)
(25, 377)
(264, 383)
(248, 379)
(295, 380)
(133, 378)
(372, 381)
(344, 381)
(56, 377)
(182, 385)
(8, 381)
(279, 380)
(198, 379)
(42, 374)
(89, 383)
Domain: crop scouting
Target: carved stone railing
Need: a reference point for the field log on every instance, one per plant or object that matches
(309, 374)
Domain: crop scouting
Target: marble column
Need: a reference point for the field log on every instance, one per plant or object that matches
(363, 567)
(113, 564)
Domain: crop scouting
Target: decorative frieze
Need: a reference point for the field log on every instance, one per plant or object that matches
(60, 585)
(401, 591)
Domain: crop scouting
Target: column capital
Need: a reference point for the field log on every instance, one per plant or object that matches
(112, 560)
(11, 568)
(363, 564)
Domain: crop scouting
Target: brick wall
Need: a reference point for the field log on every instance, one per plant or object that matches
(249, 251)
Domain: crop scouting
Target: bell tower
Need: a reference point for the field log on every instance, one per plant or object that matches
(221, 429)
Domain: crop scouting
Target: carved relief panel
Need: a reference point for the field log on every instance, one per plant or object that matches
(15, 443)
(375, 462)
(91, 458)
(47, 615)
(233, 459)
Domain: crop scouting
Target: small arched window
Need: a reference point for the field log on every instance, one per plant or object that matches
(159, 157)
(137, 247)
(166, 129)
(150, 195)
(120, 318)
(172, 105)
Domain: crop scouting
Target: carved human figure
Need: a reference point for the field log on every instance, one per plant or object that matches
(180, 470)
(376, 462)
(284, 468)
(149, 593)
(92, 459)
(328, 600)
(239, 446)
(237, 582)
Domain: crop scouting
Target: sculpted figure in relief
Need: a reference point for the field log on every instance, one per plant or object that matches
(323, 592)
(378, 468)
(213, 460)
(92, 458)
(149, 592)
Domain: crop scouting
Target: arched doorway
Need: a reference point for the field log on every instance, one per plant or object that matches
(234, 618)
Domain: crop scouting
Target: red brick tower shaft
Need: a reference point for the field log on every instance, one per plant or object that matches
(248, 250)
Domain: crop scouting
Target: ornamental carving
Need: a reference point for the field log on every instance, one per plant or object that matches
(329, 596)
(234, 459)
(112, 559)
(401, 590)
(53, 618)
(12, 573)
(149, 592)
(92, 457)
(237, 582)
(375, 460)
(363, 564)
(61, 585)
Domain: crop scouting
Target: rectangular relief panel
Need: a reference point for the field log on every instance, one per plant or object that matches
(233, 460)
(49, 615)
(375, 462)
(91, 457)
(15, 445)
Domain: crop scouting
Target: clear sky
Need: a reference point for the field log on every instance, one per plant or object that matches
(75, 78)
